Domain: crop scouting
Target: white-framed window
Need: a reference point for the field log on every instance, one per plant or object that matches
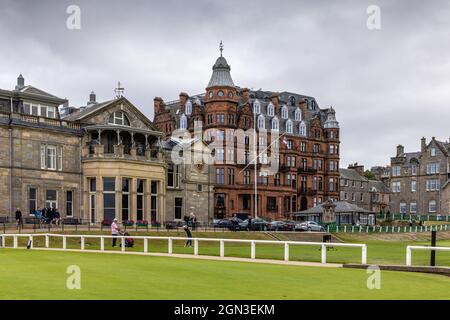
(256, 107)
(414, 169)
(403, 207)
(289, 127)
(51, 157)
(220, 154)
(432, 206)
(270, 110)
(432, 168)
(284, 112)
(188, 107)
(413, 186)
(433, 185)
(302, 129)
(119, 118)
(51, 199)
(413, 207)
(275, 124)
(396, 171)
(183, 122)
(261, 122)
(298, 114)
(433, 152)
(230, 155)
(39, 110)
(396, 187)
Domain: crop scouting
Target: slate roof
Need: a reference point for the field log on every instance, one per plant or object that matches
(379, 186)
(351, 174)
(341, 207)
(221, 74)
(82, 113)
(35, 91)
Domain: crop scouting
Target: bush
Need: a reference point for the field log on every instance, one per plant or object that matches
(142, 223)
(128, 223)
(106, 223)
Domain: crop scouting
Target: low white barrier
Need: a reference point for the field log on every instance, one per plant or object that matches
(195, 241)
(410, 248)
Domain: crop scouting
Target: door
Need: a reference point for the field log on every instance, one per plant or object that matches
(51, 199)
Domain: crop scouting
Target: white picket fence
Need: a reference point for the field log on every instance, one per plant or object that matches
(147, 239)
(409, 250)
(388, 229)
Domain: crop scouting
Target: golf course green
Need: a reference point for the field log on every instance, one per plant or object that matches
(34, 274)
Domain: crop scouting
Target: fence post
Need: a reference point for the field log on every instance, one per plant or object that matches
(345, 228)
(364, 254)
(408, 256)
(102, 244)
(15, 242)
(122, 244)
(3, 241)
(253, 250)
(222, 248)
(286, 251)
(324, 254)
(353, 229)
(47, 241)
(169, 249)
(196, 247)
(30, 239)
(145, 245)
(64, 242)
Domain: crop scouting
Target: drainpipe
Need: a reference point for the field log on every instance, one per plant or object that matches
(10, 160)
(81, 200)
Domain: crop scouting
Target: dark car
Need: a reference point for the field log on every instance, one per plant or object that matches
(257, 224)
(277, 226)
(232, 224)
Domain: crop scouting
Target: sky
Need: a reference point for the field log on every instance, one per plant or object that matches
(389, 85)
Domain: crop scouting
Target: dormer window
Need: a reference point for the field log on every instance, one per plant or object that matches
(188, 107)
(39, 110)
(302, 129)
(261, 122)
(119, 118)
(433, 152)
(256, 107)
(183, 122)
(270, 110)
(292, 100)
(289, 127)
(284, 112)
(275, 124)
(298, 114)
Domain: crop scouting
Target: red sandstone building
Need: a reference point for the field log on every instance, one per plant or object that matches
(308, 148)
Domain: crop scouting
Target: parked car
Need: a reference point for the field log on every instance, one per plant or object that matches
(257, 224)
(309, 226)
(232, 224)
(280, 226)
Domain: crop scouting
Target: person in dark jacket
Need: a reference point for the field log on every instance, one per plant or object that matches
(189, 235)
(19, 221)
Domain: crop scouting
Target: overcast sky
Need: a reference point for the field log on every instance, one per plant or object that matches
(388, 86)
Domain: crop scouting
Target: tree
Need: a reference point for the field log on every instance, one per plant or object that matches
(369, 175)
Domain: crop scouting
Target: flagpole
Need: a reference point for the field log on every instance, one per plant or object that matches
(255, 160)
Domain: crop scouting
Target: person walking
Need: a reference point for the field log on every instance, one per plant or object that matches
(19, 221)
(115, 230)
(189, 235)
(193, 221)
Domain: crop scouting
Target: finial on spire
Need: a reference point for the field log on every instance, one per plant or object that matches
(119, 90)
(221, 47)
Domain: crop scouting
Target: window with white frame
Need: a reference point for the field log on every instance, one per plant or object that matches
(414, 169)
(403, 207)
(39, 110)
(261, 122)
(302, 129)
(298, 114)
(183, 122)
(433, 152)
(396, 171)
(413, 186)
(270, 110)
(433, 185)
(256, 107)
(413, 207)
(432, 206)
(51, 157)
(284, 112)
(396, 187)
(119, 118)
(289, 127)
(432, 168)
(188, 107)
(275, 124)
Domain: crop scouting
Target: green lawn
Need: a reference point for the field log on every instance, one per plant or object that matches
(32, 274)
(378, 251)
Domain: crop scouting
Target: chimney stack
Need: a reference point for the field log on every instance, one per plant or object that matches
(20, 82)
(423, 145)
(275, 99)
(183, 98)
(303, 104)
(359, 168)
(245, 93)
(400, 150)
(92, 99)
(157, 104)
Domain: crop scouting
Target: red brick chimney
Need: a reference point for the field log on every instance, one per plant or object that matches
(245, 93)
(183, 98)
(303, 104)
(157, 104)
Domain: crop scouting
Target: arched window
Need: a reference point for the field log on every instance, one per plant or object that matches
(270, 110)
(298, 114)
(292, 100)
(256, 107)
(302, 129)
(119, 118)
(289, 128)
(261, 122)
(275, 124)
(284, 112)
(432, 206)
(183, 122)
(188, 107)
